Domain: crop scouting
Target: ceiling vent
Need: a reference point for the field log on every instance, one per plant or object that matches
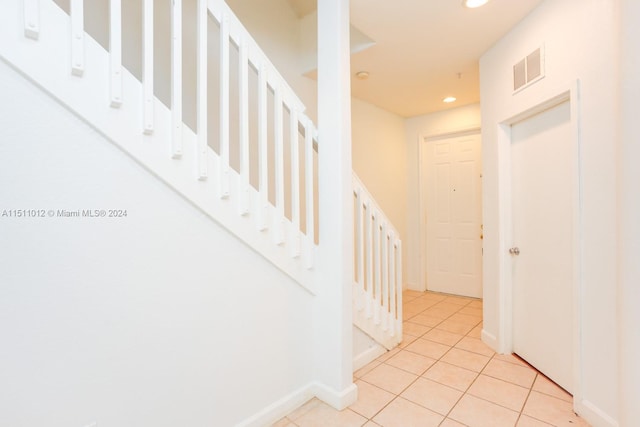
(528, 70)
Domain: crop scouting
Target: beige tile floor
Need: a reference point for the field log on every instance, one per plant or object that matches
(443, 375)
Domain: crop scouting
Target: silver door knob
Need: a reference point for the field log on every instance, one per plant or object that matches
(514, 251)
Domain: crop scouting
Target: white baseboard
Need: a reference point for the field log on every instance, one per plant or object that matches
(490, 340)
(291, 402)
(280, 408)
(410, 286)
(594, 415)
(368, 356)
(337, 399)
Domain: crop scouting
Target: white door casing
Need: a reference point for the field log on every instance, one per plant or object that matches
(542, 251)
(452, 213)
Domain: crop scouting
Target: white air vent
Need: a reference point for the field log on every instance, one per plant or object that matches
(528, 70)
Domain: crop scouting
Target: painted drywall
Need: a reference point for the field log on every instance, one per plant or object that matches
(580, 42)
(276, 28)
(628, 214)
(416, 129)
(149, 319)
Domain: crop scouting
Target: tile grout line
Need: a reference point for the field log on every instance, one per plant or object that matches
(420, 376)
(478, 374)
(446, 416)
(412, 382)
(467, 389)
(449, 347)
(530, 388)
(527, 398)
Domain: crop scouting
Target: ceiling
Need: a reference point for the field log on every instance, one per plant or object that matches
(424, 50)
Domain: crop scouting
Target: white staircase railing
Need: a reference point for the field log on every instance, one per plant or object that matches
(249, 162)
(246, 184)
(377, 289)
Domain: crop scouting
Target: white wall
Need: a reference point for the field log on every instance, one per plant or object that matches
(152, 319)
(581, 43)
(276, 28)
(628, 214)
(416, 128)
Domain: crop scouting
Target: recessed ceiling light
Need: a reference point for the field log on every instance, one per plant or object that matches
(362, 75)
(449, 99)
(474, 3)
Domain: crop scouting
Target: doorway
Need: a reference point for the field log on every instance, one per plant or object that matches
(451, 213)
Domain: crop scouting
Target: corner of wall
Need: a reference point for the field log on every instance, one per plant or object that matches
(338, 399)
(490, 340)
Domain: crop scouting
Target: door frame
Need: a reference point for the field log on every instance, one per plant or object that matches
(570, 93)
(424, 139)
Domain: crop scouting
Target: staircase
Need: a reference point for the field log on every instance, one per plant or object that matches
(216, 122)
(377, 291)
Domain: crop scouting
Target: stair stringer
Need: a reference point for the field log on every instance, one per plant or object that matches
(46, 62)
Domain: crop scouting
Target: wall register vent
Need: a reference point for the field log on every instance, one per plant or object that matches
(528, 70)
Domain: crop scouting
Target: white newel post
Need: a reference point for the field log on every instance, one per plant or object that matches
(333, 317)
(628, 215)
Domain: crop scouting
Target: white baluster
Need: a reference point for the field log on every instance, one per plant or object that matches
(263, 168)
(176, 79)
(77, 37)
(308, 182)
(360, 246)
(147, 67)
(377, 294)
(115, 52)
(392, 285)
(224, 108)
(399, 288)
(369, 242)
(384, 249)
(295, 184)
(32, 19)
(202, 146)
(278, 230)
(243, 194)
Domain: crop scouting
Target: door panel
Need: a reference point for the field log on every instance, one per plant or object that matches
(542, 198)
(453, 215)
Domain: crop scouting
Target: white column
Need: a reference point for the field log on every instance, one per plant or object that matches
(333, 321)
(628, 217)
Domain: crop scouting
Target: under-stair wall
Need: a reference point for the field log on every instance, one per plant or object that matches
(157, 318)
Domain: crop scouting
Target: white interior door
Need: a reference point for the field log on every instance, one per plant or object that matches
(453, 211)
(542, 196)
